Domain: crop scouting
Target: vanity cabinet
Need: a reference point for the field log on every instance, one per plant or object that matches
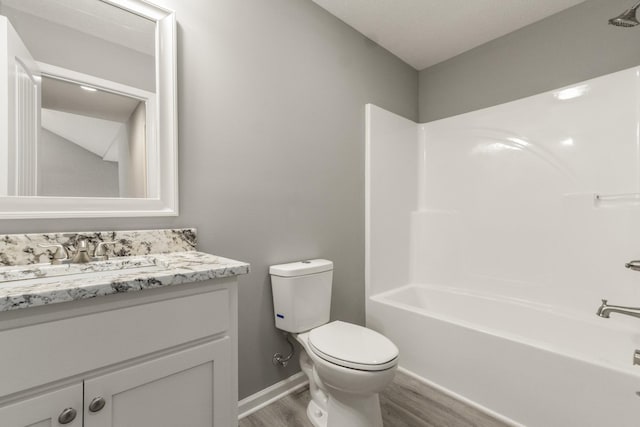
(44, 410)
(161, 358)
(181, 389)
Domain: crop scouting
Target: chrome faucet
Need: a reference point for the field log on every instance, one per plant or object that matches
(605, 310)
(81, 254)
(68, 254)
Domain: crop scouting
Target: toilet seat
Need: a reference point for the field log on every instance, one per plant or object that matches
(353, 346)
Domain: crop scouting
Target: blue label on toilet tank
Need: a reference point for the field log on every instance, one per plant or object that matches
(280, 316)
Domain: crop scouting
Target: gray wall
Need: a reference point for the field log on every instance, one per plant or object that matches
(571, 46)
(66, 169)
(271, 111)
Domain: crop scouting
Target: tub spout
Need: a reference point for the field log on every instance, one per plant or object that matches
(605, 310)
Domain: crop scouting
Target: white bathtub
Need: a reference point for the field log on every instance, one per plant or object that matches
(530, 364)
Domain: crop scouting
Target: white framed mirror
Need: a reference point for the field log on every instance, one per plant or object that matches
(88, 109)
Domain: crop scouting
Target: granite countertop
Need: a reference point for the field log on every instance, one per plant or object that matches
(166, 269)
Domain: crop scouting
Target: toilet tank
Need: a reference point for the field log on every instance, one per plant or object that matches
(301, 294)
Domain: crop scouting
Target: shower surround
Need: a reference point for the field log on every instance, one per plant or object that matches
(506, 226)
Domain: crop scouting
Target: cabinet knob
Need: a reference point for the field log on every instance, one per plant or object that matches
(66, 416)
(97, 404)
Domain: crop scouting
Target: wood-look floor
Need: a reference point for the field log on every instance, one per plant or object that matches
(405, 403)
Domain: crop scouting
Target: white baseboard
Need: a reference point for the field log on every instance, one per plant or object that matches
(259, 400)
(460, 398)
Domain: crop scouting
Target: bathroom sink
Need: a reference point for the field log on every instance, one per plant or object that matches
(84, 278)
(45, 273)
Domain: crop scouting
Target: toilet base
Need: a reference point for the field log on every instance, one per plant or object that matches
(316, 415)
(333, 406)
(349, 410)
(356, 412)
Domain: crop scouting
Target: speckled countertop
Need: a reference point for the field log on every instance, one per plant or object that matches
(140, 259)
(168, 270)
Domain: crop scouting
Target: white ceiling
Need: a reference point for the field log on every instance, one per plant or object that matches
(69, 97)
(425, 32)
(98, 136)
(96, 18)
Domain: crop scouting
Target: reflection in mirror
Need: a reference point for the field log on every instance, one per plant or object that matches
(92, 142)
(82, 77)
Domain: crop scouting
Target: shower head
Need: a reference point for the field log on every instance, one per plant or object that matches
(627, 19)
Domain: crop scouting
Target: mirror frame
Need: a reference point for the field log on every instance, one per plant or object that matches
(166, 175)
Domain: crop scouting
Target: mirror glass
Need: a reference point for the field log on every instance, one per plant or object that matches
(81, 91)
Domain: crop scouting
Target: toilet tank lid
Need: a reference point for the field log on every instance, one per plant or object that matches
(301, 268)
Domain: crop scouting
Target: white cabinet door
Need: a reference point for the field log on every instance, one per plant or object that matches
(46, 410)
(188, 388)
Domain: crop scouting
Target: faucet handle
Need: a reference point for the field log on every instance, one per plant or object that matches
(101, 251)
(60, 254)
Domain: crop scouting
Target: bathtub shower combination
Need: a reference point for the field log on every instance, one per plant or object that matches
(492, 237)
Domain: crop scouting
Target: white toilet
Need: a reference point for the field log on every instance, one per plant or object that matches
(347, 365)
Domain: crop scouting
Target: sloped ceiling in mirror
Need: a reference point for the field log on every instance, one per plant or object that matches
(95, 135)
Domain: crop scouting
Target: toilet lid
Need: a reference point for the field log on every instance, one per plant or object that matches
(353, 346)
